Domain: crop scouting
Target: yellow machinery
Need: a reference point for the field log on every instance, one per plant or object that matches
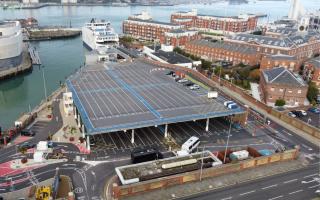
(44, 193)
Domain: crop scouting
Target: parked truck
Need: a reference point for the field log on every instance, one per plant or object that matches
(239, 155)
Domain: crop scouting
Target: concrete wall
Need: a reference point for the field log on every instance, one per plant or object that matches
(127, 190)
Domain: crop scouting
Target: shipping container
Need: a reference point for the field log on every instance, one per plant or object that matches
(212, 94)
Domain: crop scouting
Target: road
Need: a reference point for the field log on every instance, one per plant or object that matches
(283, 186)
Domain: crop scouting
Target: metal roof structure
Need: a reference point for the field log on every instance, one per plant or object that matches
(121, 96)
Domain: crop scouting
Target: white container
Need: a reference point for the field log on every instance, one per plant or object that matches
(239, 155)
(212, 94)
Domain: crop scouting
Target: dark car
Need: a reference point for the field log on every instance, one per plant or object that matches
(170, 73)
(189, 83)
(314, 110)
(52, 144)
(27, 145)
(29, 133)
(5, 138)
(297, 113)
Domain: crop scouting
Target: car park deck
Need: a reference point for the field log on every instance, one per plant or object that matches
(132, 95)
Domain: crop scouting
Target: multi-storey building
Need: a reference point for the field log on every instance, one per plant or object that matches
(311, 71)
(301, 46)
(235, 53)
(233, 24)
(281, 83)
(179, 37)
(147, 29)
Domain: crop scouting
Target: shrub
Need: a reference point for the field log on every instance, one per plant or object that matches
(81, 139)
(280, 102)
(24, 160)
(71, 139)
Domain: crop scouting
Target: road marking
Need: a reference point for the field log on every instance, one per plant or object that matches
(314, 186)
(226, 198)
(287, 132)
(78, 190)
(247, 192)
(290, 181)
(269, 186)
(309, 175)
(1, 189)
(307, 147)
(65, 165)
(295, 191)
(276, 197)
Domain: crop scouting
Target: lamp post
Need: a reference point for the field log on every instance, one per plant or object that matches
(44, 83)
(202, 163)
(225, 151)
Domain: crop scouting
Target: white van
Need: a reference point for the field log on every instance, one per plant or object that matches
(191, 144)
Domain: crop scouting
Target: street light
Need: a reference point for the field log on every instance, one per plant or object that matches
(225, 151)
(44, 83)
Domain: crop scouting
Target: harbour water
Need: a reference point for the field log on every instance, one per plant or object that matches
(61, 58)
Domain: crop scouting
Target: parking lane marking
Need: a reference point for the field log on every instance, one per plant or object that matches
(227, 198)
(290, 181)
(314, 186)
(247, 192)
(295, 191)
(309, 175)
(276, 197)
(264, 188)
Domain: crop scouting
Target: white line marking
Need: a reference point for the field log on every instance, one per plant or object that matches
(309, 175)
(287, 132)
(269, 186)
(295, 191)
(247, 192)
(314, 186)
(226, 198)
(276, 197)
(290, 181)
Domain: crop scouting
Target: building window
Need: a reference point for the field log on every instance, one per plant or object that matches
(270, 97)
(281, 89)
(299, 91)
(290, 91)
(272, 89)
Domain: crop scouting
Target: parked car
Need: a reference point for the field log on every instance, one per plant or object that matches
(182, 80)
(52, 144)
(170, 73)
(27, 145)
(177, 79)
(292, 115)
(194, 87)
(304, 113)
(314, 110)
(297, 113)
(188, 84)
(26, 132)
(226, 103)
(7, 138)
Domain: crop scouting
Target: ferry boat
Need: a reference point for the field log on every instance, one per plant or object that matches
(99, 33)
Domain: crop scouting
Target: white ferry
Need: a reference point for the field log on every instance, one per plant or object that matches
(99, 34)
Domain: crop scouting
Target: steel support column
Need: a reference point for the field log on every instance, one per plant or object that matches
(207, 125)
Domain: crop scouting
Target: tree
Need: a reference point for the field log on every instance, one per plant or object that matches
(280, 102)
(254, 75)
(313, 92)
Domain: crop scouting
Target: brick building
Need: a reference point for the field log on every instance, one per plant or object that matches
(301, 46)
(280, 83)
(233, 24)
(147, 29)
(235, 53)
(273, 61)
(311, 71)
(179, 37)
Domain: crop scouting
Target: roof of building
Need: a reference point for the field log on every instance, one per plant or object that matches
(227, 46)
(153, 22)
(281, 57)
(315, 62)
(290, 41)
(172, 57)
(129, 95)
(283, 30)
(283, 76)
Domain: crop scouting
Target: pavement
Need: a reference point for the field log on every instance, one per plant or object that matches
(255, 91)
